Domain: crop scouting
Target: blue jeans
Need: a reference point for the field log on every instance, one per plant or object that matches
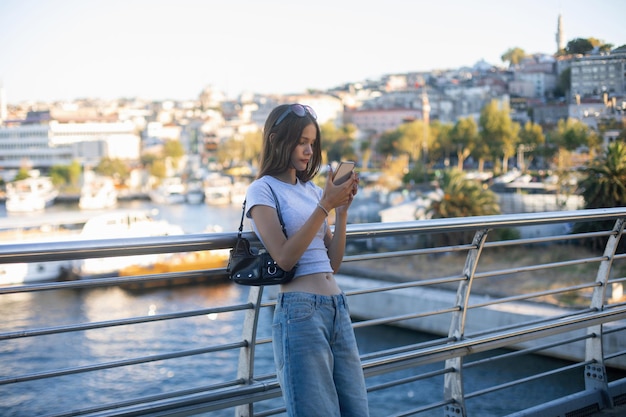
(316, 356)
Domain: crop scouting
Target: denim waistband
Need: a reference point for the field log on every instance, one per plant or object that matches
(317, 299)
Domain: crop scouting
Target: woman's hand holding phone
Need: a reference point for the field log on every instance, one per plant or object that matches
(343, 172)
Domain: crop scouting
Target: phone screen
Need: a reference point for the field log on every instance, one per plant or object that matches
(343, 172)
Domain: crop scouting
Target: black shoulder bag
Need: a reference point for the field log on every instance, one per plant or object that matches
(251, 266)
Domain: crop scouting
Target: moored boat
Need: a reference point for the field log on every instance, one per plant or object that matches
(118, 225)
(98, 193)
(170, 191)
(180, 262)
(30, 195)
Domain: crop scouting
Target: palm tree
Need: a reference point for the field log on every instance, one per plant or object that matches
(604, 186)
(605, 181)
(462, 197)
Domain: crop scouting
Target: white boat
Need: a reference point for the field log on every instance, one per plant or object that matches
(30, 195)
(195, 193)
(116, 224)
(120, 225)
(218, 189)
(170, 191)
(43, 228)
(238, 193)
(98, 193)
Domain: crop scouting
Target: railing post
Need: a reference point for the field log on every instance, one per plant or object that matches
(453, 381)
(595, 373)
(245, 368)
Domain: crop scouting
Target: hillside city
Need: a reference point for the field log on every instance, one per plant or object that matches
(542, 89)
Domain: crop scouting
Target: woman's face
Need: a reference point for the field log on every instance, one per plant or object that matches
(303, 151)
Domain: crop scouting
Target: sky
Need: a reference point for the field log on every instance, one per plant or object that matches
(173, 49)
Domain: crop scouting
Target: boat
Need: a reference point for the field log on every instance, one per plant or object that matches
(120, 224)
(194, 193)
(30, 195)
(217, 189)
(170, 191)
(98, 193)
(179, 262)
(44, 228)
(238, 193)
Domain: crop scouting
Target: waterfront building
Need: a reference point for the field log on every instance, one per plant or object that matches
(41, 143)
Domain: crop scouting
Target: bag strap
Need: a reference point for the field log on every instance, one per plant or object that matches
(280, 217)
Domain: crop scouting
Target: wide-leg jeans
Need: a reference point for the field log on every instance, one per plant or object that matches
(316, 356)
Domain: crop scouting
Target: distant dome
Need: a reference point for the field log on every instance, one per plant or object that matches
(482, 65)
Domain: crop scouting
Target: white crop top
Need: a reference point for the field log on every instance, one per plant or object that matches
(297, 203)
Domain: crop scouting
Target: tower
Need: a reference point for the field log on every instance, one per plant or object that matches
(426, 119)
(560, 35)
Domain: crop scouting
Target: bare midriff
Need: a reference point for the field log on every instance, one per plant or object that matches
(322, 283)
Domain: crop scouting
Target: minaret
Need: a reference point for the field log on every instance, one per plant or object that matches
(426, 120)
(560, 35)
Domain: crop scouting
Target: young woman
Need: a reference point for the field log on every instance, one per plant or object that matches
(315, 350)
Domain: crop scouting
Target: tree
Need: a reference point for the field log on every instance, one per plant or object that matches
(338, 143)
(22, 174)
(461, 197)
(498, 132)
(440, 143)
(513, 56)
(604, 184)
(173, 149)
(115, 168)
(531, 138)
(564, 83)
(386, 144)
(586, 45)
(464, 138)
(571, 134)
(578, 46)
(414, 139)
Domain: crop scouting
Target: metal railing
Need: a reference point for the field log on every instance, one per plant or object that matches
(471, 325)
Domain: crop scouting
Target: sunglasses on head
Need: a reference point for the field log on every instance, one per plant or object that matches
(299, 110)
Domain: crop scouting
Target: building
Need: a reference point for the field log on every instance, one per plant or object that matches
(40, 143)
(593, 75)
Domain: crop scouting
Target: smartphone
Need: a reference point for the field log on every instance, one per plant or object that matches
(343, 172)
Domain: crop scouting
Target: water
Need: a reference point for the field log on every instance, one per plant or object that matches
(53, 352)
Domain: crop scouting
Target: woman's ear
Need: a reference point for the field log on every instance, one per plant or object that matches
(272, 137)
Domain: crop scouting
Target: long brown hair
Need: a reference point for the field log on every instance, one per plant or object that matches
(280, 141)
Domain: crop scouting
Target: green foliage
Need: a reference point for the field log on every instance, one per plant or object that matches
(464, 138)
(241, 150)
(173, 149)
(75, 171)
(388, 143)
(113, 167)
(564, 83)
(158, 169)
(578, 46)
(439, 140)
(604, 184)
(463, 197)
(338, 143)
(22, 174)
(571, 134)
(513, 56)
(498, 132)
(586, 45)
